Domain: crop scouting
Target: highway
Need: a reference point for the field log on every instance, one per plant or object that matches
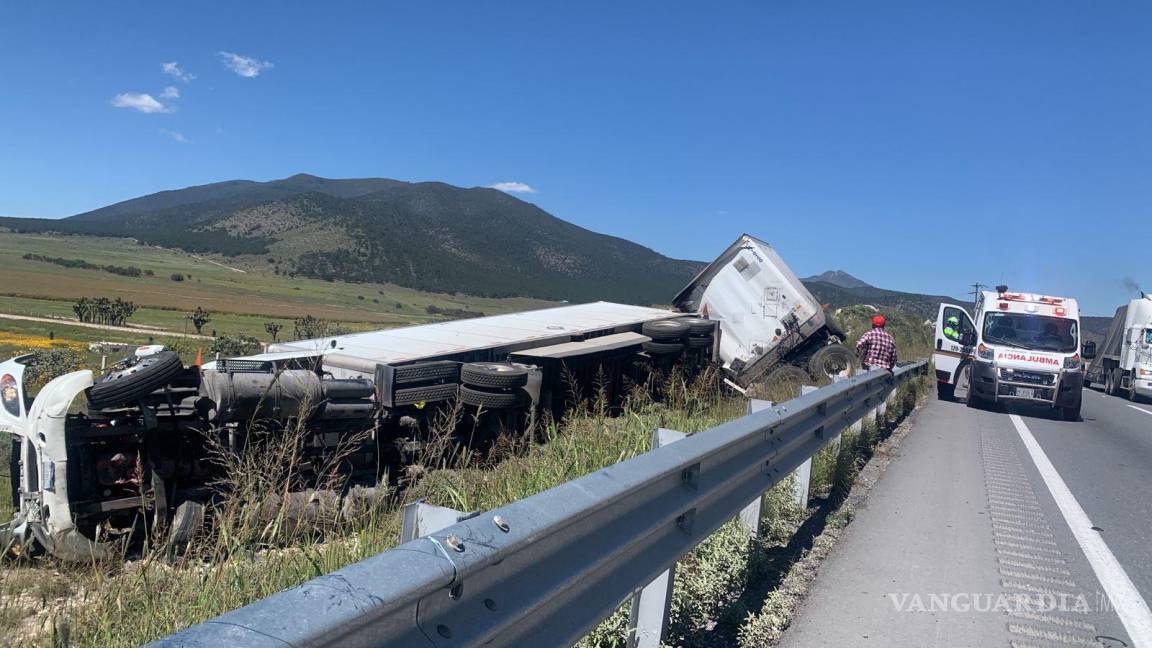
(998, 528)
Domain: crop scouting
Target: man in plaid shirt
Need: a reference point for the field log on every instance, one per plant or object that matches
(876, 347)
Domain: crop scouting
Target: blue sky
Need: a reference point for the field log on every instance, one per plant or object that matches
(919, 146)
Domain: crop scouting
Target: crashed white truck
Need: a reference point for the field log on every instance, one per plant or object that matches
(96, 459)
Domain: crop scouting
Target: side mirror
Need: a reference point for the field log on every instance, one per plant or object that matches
(968, 338)
(1088, 350)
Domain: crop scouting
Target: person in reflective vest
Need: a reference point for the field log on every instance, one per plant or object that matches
(952, 328)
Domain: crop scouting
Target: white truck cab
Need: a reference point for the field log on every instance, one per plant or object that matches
(1124, 363)
(1019, 347)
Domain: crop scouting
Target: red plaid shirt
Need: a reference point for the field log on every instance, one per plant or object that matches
(878, 349)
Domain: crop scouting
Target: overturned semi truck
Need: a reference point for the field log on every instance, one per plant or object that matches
(95, 457)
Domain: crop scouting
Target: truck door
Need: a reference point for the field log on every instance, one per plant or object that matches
(953, 325)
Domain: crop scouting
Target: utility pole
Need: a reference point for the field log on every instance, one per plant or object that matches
(976, 288)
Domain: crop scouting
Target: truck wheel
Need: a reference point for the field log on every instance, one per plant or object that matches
(444, 370)
(1116, 376)
(186, 523)
(494, 375)
(665, 330)
(140, 377)
(489, 399)
(698, 326)
(1132, 395)
(783, 383)
(663, 348)
(829, 361)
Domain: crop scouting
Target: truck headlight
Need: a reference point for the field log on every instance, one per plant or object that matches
(985, 353)
(1072, 363)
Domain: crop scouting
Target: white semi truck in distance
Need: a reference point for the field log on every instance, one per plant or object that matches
(1018, 347)
(101, 458)
(1123, 363)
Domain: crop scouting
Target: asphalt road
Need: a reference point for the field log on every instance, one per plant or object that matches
(998, 528)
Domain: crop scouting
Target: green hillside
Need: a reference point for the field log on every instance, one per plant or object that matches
(429, 236)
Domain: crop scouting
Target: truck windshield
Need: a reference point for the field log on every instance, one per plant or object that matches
(1036, 332)
(1147, 336)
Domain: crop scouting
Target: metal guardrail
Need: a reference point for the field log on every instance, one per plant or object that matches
(544, 570)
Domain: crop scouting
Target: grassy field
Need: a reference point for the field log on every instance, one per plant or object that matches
(38, 287)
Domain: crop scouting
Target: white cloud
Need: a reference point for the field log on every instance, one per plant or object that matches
(179, 137)
(245, 66)
(173, 69)
(170, 92)
(512, 187)
(143, 102)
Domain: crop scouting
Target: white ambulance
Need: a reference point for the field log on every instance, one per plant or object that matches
(1019, 347)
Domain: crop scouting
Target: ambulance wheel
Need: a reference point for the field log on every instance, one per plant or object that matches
(1070, 413)
(945, 391)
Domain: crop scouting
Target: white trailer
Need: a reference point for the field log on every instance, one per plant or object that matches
(1123, 364)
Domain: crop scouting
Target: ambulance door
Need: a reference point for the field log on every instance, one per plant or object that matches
(953, 328)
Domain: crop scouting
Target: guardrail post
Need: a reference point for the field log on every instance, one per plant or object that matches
(750, 515)
(803, 473)
(420, 518)
(648, 618)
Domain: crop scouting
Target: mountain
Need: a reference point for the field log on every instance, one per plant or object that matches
(426, 235)
(837, 278)
(924, 307)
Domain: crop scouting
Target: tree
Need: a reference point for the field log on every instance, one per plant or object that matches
(199, 318)
(273, 329)
(236, 346)
(311, 327)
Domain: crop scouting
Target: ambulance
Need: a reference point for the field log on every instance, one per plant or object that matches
(1019, 347)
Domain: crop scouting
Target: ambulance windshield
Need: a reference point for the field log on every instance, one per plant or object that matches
(1035, 332)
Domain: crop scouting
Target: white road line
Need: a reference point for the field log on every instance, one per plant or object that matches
(1126, 600)
(1139, 409)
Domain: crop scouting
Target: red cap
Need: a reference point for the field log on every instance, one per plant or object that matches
(878, 320)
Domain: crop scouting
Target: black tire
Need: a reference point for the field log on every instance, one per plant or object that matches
(698, 326)
(1112, 384)
(827, 358)
(1070, 414)
(699, 342)
(784, 382)
(491, 400)
(426, 394)
(974, 401)
(140, 377)
(186, 523)
(665, 330)
(945, 391)
(494, 375)
(425, 372)
(663, 348)
(1132, 395)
